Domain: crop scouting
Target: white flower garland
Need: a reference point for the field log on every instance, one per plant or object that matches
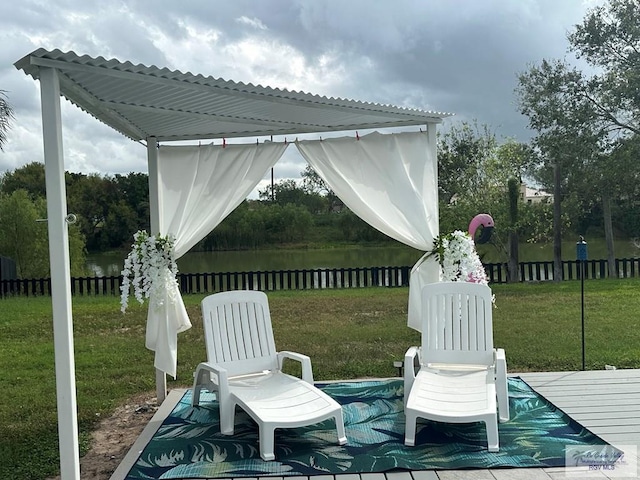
(151, 268)
(459, 261)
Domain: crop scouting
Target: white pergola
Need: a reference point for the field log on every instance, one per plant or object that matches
(151, 105)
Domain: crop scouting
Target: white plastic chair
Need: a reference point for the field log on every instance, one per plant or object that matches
(461, 377)
(244, 369)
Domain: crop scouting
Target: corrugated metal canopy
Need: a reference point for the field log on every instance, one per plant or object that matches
(140, 102)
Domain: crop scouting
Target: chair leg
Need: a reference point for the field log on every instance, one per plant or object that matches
(342, 436)
(410, 430)
(492, 435)
(503, 404)
(267, 440)
(227, 417)
(195, 397)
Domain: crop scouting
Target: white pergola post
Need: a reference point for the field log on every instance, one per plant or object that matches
(154, 212)
(60, 275)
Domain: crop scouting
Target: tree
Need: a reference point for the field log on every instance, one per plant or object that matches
(134, 188)
(24, 236)
(609, 39)
(109, 209)
(287, 192)
(313, 183)
(6, 115)
(29, 177)
(513, 186)
(91, 197)
(567, 131)
(462, 154)
(625, 158)
(473, 174)
(579, 118)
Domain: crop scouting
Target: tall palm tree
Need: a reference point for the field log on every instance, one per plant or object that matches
(6, 115)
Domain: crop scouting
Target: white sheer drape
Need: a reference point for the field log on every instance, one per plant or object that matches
(199, 187)
(390, 181)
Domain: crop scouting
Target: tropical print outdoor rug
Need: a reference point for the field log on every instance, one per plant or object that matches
(189, 444)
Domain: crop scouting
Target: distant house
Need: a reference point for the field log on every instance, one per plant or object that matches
(532, 195)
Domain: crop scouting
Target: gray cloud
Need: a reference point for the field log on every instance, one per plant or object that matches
(460, 56)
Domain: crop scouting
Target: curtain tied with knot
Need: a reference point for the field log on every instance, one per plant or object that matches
(391, 182)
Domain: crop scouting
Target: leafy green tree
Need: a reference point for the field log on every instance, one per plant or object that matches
(609, 40)
(357, 230)
(567, 133)
(91, 197)
(625, 158)
(119, 225)
(313, 183)
(24, 236)
(134, 188)
(287, 224)
(109, 209)
(462, 154)
(510, 160)
(473, 174)
(29, 177)
(576, 114)
(6, 116)
(289, 192)
(255, 224)
(513, 186)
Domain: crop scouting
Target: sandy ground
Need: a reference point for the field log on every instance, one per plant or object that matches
(114, 437)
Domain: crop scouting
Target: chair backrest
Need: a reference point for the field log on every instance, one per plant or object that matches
(457, 324)
(238, 332)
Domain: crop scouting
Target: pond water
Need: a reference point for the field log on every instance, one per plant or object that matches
(353, 256)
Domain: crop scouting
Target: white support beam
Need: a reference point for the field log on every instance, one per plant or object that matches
(154, 212)
(60, 275)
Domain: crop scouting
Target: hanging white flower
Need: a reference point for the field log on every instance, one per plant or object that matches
(151, 269)
(459, 261)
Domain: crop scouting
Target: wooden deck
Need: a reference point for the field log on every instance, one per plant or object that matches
(607, 402)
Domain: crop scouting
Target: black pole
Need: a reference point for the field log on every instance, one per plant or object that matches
(581, 253)
(273, 195)
(582, 307)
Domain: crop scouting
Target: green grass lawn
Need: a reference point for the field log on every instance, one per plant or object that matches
(347, 334)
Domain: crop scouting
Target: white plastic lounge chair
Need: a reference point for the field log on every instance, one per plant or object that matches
(244, 369)
(460, 374)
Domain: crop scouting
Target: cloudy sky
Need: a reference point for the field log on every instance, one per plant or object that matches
(459, 56)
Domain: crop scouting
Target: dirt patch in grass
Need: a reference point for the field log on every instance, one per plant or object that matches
(115, 435)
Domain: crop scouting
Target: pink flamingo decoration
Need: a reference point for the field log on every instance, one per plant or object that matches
(485, 221)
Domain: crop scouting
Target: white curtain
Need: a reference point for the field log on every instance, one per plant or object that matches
(391, 182)
(199, 187)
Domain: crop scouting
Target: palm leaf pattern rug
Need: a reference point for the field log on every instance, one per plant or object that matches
(189, 445)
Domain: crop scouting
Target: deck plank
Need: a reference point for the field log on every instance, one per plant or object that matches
(372, 476)
(607, 402)
(424, 475)
(399, 476)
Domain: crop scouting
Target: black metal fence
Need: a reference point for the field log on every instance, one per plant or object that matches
(324, 278)
(543, 271)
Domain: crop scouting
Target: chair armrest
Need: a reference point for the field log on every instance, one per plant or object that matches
(501, 384)
(410, 357)
(305, 361)
(203, 376)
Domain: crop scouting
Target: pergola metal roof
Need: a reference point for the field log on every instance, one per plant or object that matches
(140, 102)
